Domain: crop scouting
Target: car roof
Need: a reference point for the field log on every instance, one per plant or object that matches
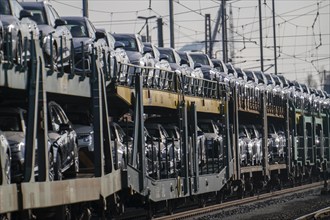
(74, 18)
(30, 5)
(123, 35)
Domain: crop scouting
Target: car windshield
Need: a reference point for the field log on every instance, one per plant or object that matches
(252, 132)
(10, 122)
(130, 43)
(249, 75)
(77, 28)
(171, 132)
(154, 132)
(200, 58)
(38, 16)
(206, 127)
(169, 53)
(5, 7)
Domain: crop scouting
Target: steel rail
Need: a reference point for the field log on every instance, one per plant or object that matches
(319, 214)
(217, 207)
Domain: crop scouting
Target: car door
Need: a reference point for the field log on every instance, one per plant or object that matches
(58, 134)
(70, 135)
(63, 31)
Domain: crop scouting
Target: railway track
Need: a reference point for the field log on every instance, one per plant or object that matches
(217, 207)
(320, 214)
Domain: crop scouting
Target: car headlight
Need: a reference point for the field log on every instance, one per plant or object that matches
(142, 63)
(10, 28)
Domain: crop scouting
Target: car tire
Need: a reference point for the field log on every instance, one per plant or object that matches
(57, 167)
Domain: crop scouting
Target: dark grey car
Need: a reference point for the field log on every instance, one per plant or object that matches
(17, 27)
(85, 37)
(53, 32)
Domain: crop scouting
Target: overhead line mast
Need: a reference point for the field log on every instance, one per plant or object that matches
(85, 8)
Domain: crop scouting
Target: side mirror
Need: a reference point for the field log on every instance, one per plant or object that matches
(60, 22)
(200, 133)
(25, 14)
(99, 35)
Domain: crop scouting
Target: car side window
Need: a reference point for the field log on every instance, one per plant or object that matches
(51, 18)
(64, 119)
(5, 7)
(55, 119)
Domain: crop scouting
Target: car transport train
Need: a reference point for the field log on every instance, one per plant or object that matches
(156, 146)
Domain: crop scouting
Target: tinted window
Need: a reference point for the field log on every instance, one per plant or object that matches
(169, 54)
(10, 122)
(77, 28)
(129, 42)
(206, 127)
(249, 75)
(200, 58)
(38, 16)
(5, 7)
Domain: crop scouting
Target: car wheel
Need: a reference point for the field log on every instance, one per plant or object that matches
(57, 168)
(7, 168)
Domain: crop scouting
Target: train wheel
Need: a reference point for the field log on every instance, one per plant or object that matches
(201, 201)
(219, 196)
(5, 216)
(63, 212)
(150, 211)
(170, 207)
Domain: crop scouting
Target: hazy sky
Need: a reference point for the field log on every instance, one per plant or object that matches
(302, 28)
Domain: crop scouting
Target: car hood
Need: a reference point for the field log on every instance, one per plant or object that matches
(174, 66)
(77, 41)
(14, 137)
(82, 129)
(210, 136)
(134, 57)
(7, 20)
(45, 29)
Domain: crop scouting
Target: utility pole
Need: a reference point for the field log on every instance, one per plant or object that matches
(215, 29)
(85, 8)
(147, 25)
(172, 43)
(224, 43)
(208, 48)
(261, 44)
(274, 37)
(160, 32)
(231, 35)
